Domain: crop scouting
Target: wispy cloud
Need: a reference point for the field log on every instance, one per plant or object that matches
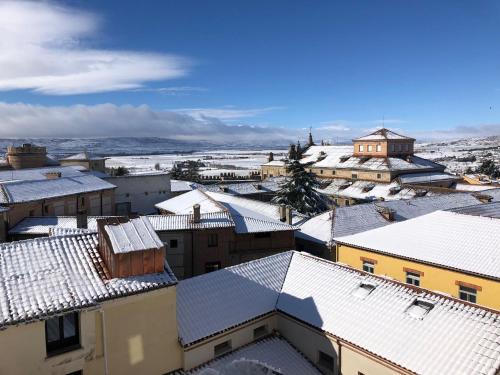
(109, 120)
(44, 48)
(173, 91)
(225, 113)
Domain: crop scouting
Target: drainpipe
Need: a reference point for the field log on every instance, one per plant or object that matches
(105, 352)
(340, 357)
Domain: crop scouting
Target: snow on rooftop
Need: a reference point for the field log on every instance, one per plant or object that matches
(273, 352)
(46, 276)
(179, 185)
(31, 190)
(220, 219)
(451, 338)
(425, 177)
(83, 156)
(183, 204)
(378, 164)
(484, 209)
(37, 173)
(462, 242)
(383, 135)
(270, 185)
(134, 234)
(267, 209)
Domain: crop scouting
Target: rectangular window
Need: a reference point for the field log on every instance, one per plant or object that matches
(321, 171)
(413, 278)
(361, 148)
(379, 176)
(222, 348)
(467, 294)
(173, 244)
(212, 240)
(368, 266)
(62, 334)
(391, 147)
(370, 148)
(212, 266)
(325, 361)
(379, 148)
(354, 175)
(333, 173)
(260, 331)
(347, 203)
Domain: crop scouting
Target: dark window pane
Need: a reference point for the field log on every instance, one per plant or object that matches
(69, 326)
(53, 329)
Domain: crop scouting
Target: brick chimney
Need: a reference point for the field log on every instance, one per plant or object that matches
(130, 246)
(196, 213)
(53, 175)
(289, 216)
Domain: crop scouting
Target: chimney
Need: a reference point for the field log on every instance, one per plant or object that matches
(196, 213)
(282, 212)
(288, 217)
(258, 186)
(270, 157)
(53, 175)
(387, 213)
(129, 247)
(81, 219)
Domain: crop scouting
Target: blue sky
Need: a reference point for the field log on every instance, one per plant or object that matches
(429, 68)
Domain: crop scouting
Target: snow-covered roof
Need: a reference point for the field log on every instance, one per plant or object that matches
(131, 234)
(383, 135)
(37, 173)
(378, 164)
(31, 190)
(250, 221)
(453, 337)
(348, 220)
(270, 185)
(313, 153)
(484, 209)
(40, 225)
(83, 156)
(425, 177)
(43, 277)
(447, 239)
(369, 190)
(179, 185)
(276, 163)
(272, 352)
(408, 209)
(183, 204)
(493, 193)
(209, 220)
(267, 209)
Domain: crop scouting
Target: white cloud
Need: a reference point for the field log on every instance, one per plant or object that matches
(174, 91)
(109, 120)
(44, 48)
(225, 113)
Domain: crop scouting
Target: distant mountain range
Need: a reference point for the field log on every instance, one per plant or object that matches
(126, 145)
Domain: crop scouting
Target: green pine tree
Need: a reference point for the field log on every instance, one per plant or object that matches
(299, 191)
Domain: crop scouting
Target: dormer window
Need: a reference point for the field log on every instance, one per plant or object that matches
(420, 308)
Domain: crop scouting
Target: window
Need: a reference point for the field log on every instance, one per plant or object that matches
(347, 203)
(370, 148)
(212, 240)
(379, 148)
(46, 208)
(260, 331)
(32, 213)
(354, 175)
(363, 290)
(379, 175)
(174, 244)
(420, 308)
(333, 173)
(391, 147)
(262, 235)
(368, 266)
(212, 266)
(62, 334)
(326, 361)
(79, 372)
(82, 201)
(222, 348)
(361, 148)
(321, 171)
(467, 294)
(413, 278)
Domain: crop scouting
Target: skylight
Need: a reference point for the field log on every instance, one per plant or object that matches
(420, 308)
(363, 290)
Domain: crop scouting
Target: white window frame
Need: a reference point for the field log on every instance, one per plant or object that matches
(470, 293)
(412, 278)
(370, 148)
(361, 148)
(379, 148)
(368, 266)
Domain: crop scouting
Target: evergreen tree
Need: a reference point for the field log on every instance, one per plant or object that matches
(192, 172)
(176, 173)
(299, 191)
(489, 168)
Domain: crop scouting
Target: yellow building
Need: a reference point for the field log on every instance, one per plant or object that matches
(66, 308)
(454, 253)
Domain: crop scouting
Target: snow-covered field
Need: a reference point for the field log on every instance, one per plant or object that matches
(215, 161)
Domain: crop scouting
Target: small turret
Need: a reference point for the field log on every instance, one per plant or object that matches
(310, 141)
(292, 152)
